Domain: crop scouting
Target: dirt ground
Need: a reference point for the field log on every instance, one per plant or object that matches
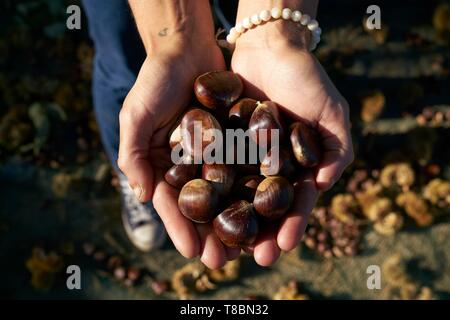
(57, 192)
(37, 218)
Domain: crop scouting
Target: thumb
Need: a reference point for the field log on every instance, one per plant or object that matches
(331, 168)
(134, 161)
(337, 147)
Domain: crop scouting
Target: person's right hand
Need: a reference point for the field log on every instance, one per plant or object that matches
(162, 91)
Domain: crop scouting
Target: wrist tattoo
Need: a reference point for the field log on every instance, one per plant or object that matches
(163, 32)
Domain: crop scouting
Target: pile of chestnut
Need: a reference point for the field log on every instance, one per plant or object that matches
(238, 198)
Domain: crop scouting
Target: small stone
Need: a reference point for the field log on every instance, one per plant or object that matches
(128, 283)
(341, 242)
(350, 250)
(310, 243)
(99, 256)
(159, 286)
(428, 113)
(328, 254)
(337, 252)
(447, 115)
(372, 105)
(119, 273)
(321, 247)
(433, 169)
(421, 120)
(54, 164)
(133, 273)
(88, 248)
(322, 236)
(438, 117)
(114, 262)
(82, 144)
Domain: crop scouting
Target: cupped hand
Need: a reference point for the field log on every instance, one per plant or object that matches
(292, 77)
(161, 92)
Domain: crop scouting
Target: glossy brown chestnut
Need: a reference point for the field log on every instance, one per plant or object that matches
(237, 226)
(220, 175)
(198, 201)
(245, 188)
(240, 114)
(266, 116)
(218, 89)
(207, 123)
(305, 144)
(180, 174)
(274, 196)
(175, 137)
(279, 161)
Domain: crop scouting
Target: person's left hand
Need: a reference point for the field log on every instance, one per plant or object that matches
(292, 77)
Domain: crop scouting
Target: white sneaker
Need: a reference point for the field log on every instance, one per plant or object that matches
(140, 220)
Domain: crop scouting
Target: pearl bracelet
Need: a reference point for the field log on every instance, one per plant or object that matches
(275, 14)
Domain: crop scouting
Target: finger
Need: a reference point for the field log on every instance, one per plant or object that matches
(133, 161)
(178, 227)
(334, 128)
(294, 224)
(213, 254)
(232, 253)
(266, 250)
(331, 168)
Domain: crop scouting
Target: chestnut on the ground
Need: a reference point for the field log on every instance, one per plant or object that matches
(237, 226)
(218, 89)
(305, 144)
(274, 196)
(198, 201)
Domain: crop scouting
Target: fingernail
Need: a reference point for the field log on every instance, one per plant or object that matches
(324, 185)
(138, 192)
